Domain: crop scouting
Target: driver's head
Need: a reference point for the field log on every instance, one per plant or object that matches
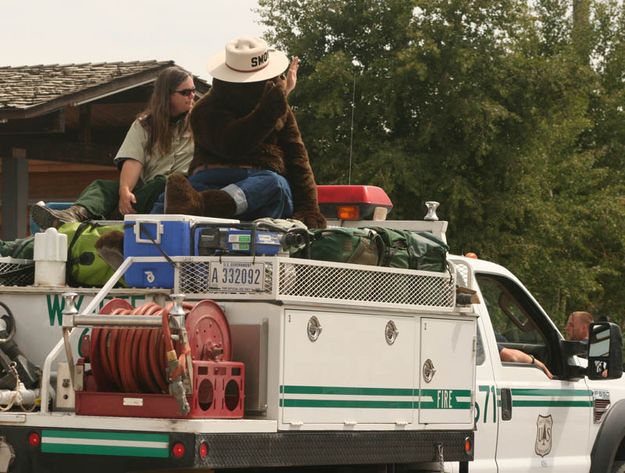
(577, 325)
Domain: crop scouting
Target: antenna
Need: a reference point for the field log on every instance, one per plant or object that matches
(351, 131)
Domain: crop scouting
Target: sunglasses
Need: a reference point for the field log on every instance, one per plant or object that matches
(185, 92)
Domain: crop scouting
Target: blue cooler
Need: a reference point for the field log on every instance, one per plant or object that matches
(155, 234)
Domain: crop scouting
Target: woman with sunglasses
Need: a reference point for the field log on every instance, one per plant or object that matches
(158, 143)
(290, 79)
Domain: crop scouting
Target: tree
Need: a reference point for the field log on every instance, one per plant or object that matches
(497, 109)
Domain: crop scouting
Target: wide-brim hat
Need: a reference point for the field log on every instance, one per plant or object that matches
(247, 60)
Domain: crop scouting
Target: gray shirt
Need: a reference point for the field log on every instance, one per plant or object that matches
(177, 160)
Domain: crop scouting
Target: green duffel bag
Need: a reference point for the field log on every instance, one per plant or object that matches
(345, 245)
(85, 267)
(412, 250)
(21, 248)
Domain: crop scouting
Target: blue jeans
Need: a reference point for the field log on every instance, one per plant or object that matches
(257, 193)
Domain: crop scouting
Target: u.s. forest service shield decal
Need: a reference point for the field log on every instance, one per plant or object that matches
(544, 425)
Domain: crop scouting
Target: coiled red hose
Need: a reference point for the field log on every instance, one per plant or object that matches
(133, 359)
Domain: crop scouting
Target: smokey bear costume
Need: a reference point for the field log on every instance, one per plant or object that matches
(249, 159)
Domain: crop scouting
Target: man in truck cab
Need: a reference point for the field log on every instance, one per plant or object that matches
(577, 325)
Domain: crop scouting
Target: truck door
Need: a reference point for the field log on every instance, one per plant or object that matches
(543, 424)
(486, 409)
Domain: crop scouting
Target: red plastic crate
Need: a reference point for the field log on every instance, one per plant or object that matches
(218, 393)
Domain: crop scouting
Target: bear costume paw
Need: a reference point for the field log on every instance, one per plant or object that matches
(110, 247)
(182, 198)
(311, 218)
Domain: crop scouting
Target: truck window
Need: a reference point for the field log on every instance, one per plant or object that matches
(480, 357)
(512, 318)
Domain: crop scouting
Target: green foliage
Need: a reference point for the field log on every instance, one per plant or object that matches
(508, 113)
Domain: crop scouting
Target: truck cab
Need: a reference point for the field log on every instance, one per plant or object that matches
(526, 421)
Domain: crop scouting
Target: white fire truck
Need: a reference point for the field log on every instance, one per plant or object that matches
(258, 362)
(244, 362)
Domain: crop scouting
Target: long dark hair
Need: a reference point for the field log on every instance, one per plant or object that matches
(156, 118)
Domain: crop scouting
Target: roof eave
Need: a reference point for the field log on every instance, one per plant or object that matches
(87, 95)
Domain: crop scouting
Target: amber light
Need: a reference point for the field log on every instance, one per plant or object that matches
(348, 212)
(178, 450)
(468, 446)
(470, 254)
(203, 450)
(34, 439)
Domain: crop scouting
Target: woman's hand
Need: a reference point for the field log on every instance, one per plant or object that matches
(291, 75)
(131, 170)
(126, 199)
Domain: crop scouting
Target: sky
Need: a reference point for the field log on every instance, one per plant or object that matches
(188, 32)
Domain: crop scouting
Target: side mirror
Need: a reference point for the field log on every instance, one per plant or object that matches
(605, 351)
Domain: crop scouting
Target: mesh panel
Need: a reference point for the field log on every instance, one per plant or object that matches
(462, 273)
(16, 272)
(334, 281)
(351, 284)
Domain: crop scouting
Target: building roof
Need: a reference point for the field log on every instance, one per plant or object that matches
(28, 91)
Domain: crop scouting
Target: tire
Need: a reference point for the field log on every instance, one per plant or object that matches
(619, 467)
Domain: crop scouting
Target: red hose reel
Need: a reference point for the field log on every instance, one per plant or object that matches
(129, 365)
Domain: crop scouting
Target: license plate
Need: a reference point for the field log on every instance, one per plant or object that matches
(237, 277)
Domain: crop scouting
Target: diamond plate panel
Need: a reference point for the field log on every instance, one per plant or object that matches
(331, 448)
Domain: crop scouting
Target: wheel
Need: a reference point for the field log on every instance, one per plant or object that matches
(7, 325)
(618, 467)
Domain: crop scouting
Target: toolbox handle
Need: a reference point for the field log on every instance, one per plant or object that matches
(139, 232)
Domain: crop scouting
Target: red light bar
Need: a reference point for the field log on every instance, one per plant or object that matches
(353, 195)
(366, 198)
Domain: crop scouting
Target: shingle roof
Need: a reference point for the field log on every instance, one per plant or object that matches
(24, 87)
